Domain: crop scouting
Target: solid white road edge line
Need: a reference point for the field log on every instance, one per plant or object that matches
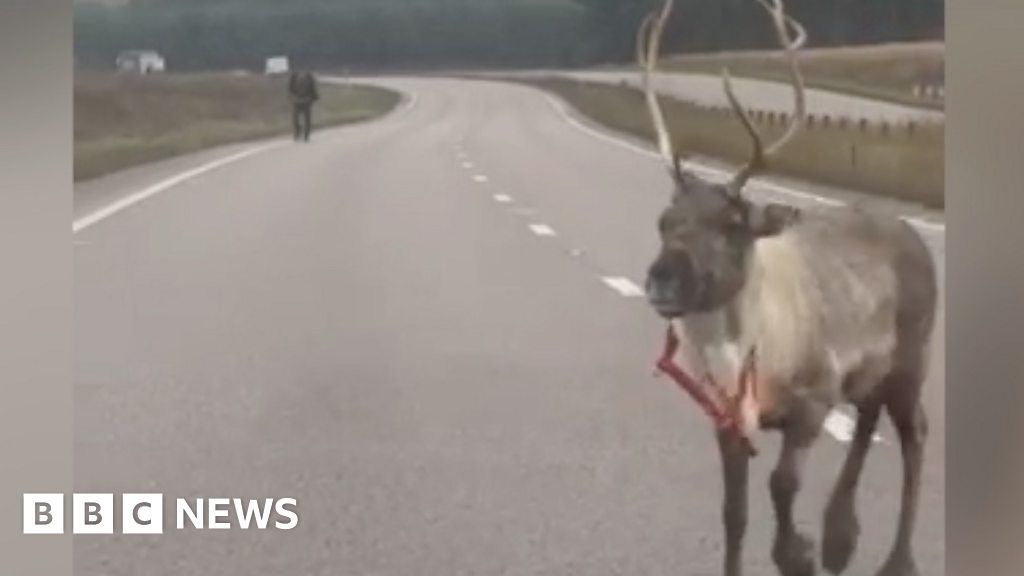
(153, 190)
(128, 201)
(708, 170)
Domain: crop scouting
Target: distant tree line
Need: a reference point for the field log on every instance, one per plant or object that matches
(425, 34)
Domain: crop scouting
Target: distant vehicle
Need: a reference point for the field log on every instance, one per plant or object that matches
(141, 62)
(277, 65)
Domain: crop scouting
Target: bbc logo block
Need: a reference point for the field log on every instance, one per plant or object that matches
(43, 513)
(93, 513)
(142, 514)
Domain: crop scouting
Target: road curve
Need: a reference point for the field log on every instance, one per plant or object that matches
(766, 95)
(423, 329)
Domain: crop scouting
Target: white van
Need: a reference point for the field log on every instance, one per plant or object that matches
(277, 65)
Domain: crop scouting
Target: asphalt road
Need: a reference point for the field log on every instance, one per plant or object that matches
(421, 329)
(706, 90)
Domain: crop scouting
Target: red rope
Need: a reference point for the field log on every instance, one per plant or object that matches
(722, 410)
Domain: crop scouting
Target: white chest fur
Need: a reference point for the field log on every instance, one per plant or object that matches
(802, 312)
(775, 314)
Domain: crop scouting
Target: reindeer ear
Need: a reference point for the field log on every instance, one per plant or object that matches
(772, 219)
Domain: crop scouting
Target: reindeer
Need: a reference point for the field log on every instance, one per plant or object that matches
(834, 306)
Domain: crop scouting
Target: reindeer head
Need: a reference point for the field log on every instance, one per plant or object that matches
(708, 228)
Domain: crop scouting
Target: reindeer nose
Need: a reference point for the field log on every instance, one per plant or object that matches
(660, 272)
(672, 267)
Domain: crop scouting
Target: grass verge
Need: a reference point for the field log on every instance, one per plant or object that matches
(885, 72)
(122, 121)
(899, 164)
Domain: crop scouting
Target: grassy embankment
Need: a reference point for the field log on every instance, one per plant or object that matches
(122, 120)
(894, 161)
(885, 72)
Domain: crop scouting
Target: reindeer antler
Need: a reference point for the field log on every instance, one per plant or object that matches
(648, 48)
(760, 156)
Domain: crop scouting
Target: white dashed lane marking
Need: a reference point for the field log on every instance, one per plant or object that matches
(841, 427)
(502, 198)
(542, 230)
(624, 286)
(480, 178)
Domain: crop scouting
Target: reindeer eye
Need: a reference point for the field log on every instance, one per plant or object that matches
(735, 218)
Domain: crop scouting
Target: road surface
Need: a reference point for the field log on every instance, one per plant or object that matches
(424, 329)
(766, 95)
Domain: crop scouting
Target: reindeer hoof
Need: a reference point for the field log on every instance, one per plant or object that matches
(899, 565)
(840, 537)
(794, 556)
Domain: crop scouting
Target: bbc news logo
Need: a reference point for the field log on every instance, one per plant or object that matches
(144, 514)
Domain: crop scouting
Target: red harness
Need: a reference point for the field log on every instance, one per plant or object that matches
(723, 410)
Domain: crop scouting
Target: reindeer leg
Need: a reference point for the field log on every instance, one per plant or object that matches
(912, 426)
(735, 465)
(793, 552)
(841, 527)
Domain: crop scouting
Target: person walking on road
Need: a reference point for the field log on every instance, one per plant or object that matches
(302, 93)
